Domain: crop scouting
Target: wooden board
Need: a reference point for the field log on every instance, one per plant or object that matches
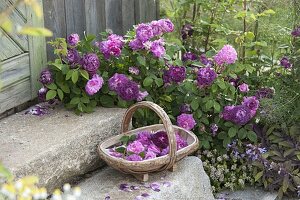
(15, 94)
(14, 69)
(75, 16)
(128, 15)
(8, 47)
(113, 10)
(95, 16)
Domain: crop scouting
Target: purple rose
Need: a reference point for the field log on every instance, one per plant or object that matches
(227, 55)
(144, 32)
(160, 139)
(90, 63)
(156, 28)
(186, 121)
(94, 85)
(285, 62)
(206, 76)
(134, 70)
(144, 138)
(165, 151)
(204, 60)
(189, 56)
(142, 95)
(152, 147)
(226, 114)
(166, 77)
(134, 157)
(177, 73)
(46, 77)
(166, 25)
(252, 103)
(244, 88)
(135, 147)
(136, 44)
(116, 81)
(157, 48)
(264, 93)
(214, 128)
(73, 57)
(73, 39)
(112, 46)
(114, 153)
(296, 32)
(150, 155)
(128, 91)
(185, 108)
(181, 143)
(240, 115)
(42, 94)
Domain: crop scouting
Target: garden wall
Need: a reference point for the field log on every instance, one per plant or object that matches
(94, 16)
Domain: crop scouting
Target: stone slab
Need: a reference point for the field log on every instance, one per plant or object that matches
(249, 193)
(188, 182)
(57, 146)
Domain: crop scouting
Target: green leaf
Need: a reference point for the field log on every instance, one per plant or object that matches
(120, 150)
(51, 94)
(217, 107)
(258, 175)
(147, 81)
(81, 107)
(226, 141)
(106, 101)
(84, 74)
(159, 82)
(60, 94)
(52, 86)
(124, 139)
(222, 85)
(75, 76)
(65, 88)
(75, 101)
(85, 99)
(232, 132)
(242, 133)
(209, 104)
(132, 138)
(69, 74)
(141, 60)
(285, 183)
(195, 104)
(228, 124)
(252, 136)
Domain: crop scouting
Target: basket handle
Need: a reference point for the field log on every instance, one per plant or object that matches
(166, 122)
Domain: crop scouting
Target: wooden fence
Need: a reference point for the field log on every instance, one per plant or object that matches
(22, 57)
(64, 17)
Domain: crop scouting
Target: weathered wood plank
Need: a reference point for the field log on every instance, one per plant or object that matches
(75, 16)
(18, 20)
(145, 11)
(8, 47)
(128, 15)
(95, 16)
(37, 52)
(151, 11)
(14, 69)
(15, 95)
(113, 9)
(54, 15)
(157, 8)
(21, 8)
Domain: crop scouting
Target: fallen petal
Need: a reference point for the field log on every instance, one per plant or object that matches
(155, 186)
(107, 197)
(145, 195)
(138, 198)
(167, 184)
(124, 186)
(133, 187)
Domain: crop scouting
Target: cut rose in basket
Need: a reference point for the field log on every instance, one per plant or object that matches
(145, 145)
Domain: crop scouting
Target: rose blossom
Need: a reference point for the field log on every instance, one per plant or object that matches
(134, 157)
(186, 121)
(160, 139)
(157, 48)
(227, 55)
(128, 90)
(156, 28)
(73, 39)
(214, 128)
(206, 76)
(144, 32)
(185, 108)
(181, 143)
(136, 44)
(73, 57)
(94, 84)
(285, 62)
(152, 147)
(116, 81)
(134, 70)
(167, 25)
(244, 88)
(42, 94)
(90, 63)
(135, 147)
(46, 77)
(149, 155)
(252, 103)
(189, 56)
(142, 95)
(112, 46)
(144, 138)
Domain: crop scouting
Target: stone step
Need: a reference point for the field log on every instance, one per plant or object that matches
(58, 146)
(188, 182)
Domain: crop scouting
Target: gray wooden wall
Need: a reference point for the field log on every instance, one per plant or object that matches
(64, 17)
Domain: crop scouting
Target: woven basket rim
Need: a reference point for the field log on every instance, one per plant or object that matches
(166, 157)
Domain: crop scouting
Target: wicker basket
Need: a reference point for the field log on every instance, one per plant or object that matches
(140, 169)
